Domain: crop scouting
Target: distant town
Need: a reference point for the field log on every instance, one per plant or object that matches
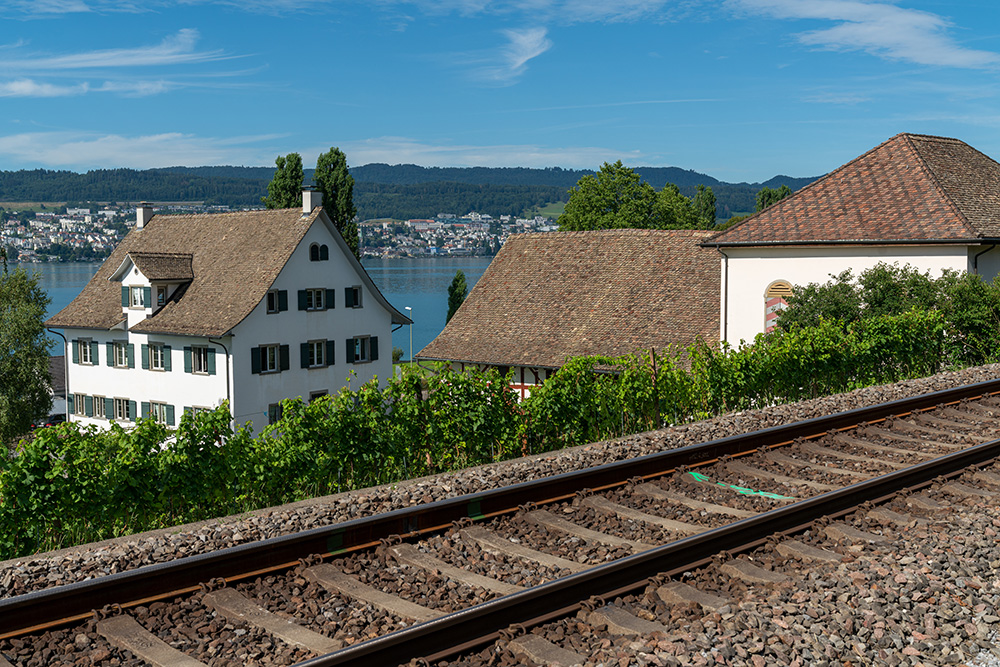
(89, 234)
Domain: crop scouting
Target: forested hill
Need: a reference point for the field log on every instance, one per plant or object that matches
(381, 190)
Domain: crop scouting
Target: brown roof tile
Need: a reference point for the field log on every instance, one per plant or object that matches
(549, 296)
(910, 188)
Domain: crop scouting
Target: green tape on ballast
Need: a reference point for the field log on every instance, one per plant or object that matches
(740, 489)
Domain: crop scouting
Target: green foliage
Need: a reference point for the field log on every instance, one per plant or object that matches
(768, 196)
(24, 352)
(457, 291)
(337, 185)
(285, 188)
(704, 206)
(397, 354)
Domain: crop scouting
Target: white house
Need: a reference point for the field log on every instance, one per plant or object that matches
(930, 202)
(253, 307)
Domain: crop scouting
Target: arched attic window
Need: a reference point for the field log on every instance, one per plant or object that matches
(324, 253)
(775, 301)
(314, 252)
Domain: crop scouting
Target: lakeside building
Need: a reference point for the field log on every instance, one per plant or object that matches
(546, 297)
(930, 202)
(253, 307)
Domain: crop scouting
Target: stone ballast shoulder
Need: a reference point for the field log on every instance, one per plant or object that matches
(41, 571)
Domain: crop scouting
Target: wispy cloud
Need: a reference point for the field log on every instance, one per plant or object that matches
(878, 28)
(173, 50)
(82, 151)
(400, 150)
(511, 61)
(42, 7)
(31, 88)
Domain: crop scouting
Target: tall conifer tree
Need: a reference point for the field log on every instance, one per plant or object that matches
(337, 185)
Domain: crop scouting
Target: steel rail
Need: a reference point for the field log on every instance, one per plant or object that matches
(70, 602)
(448, 636)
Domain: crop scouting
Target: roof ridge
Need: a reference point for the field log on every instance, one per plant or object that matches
(937, 183)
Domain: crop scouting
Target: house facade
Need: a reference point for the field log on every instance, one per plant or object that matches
(930, 202)
(250, 307)
(547, 297)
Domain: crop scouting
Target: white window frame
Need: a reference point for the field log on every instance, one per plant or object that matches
(99, 407)
(362, 349)
(136, 296)
(315, 299)
(156, 353)
(158, 412)
(357, 295)
(319, 393)
(83, 347)
(121, 409)
(161, 296)
(270, 358)
(317, 353)
(272, 301)
(79, 405)
(199, 359)
(120, 350)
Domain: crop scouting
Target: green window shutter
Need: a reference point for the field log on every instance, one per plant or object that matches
(348, 297)
(211, 361)
(282, 300)
(349, 358)
(283, 358)
(71, 403)
(130, 353)
(373, 348)
(75, 345)
(302, 299)
(144, 353)
(166, 358)
(88, 405)
(145, 410)
(147, 296)
(170, 415)
(304, 355)
(110, 347)
(93, 352)
(109, 408)
(124, 296)
(187, 360)
(131, 411)
(330, 296)
(329, 352)
(255, 360)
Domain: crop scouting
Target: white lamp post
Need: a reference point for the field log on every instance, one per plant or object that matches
(409, 314)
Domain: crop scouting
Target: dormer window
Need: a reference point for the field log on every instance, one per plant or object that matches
(161, 296)
(138, 296)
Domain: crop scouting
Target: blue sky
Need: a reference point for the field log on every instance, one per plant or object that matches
(739, 89)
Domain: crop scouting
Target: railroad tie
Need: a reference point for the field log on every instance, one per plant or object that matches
(495, 544)
(543, 651)
(917, 429)
(986, 477)
(813, 448)
(888, 516)
(796, 549)
(235, 606)
(676, 592)
(5, 663)
(659, 493)
(602, 504)
(925, 502)
(410, 555)
(784, 459)
(744, 469)
(750, 573)
(550, 521)
(955, 425)
(842, 531)
(621, 622)
(337, 582)
(966, 491)
(864, 444)
(124, 632)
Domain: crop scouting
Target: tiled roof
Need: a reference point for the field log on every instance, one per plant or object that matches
(910, 188)
(234, 260)
(163, 266)
(549, 296)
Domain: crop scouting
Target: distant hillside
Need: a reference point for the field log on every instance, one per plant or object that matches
(381, 190)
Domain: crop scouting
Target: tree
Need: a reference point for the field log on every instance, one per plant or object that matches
(673, 210)
(704, 205)
(337, 185)
(285, 188)
(614, 198)
(24, 352)
(457, 292)
(767, 196)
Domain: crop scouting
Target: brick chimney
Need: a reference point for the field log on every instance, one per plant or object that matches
(143, 213)
(311, 198)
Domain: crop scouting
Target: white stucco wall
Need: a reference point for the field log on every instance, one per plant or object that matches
(254, 392)
(752, 270)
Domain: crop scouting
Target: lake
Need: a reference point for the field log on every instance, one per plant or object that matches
(421, 284)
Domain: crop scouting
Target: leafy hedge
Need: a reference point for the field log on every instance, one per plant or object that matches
(70, 484)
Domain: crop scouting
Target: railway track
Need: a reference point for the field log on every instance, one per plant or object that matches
(437, 580)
